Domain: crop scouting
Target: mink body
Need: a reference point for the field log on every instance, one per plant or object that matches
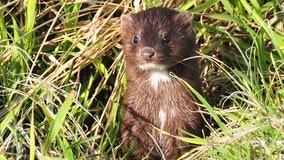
(156, 42)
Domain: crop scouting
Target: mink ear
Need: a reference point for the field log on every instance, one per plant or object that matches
(125, 22)
(185, 19)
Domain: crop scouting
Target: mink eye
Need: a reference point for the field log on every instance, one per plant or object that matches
(135, 40)
(166, 39)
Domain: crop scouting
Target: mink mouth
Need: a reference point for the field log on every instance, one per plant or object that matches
(150, 66)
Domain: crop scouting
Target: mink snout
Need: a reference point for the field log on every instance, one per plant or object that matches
(147, 53)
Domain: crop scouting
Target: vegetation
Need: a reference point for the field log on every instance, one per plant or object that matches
(62, 77)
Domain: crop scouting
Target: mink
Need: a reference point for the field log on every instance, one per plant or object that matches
(158, 42)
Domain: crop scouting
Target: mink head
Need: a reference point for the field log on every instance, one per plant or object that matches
(157, 39)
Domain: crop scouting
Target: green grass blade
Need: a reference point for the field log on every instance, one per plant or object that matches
(59, 119)
(194, 140)
(30, 15)
(187, 5)
(275, 38)
(29, 24)
(67, 150)
(204, 6)
(2, 157)
(32, 137)
(3, 31)
(11, 115)
(224, 17)
(228, 5)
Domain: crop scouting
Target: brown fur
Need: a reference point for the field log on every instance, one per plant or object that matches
(142, 103)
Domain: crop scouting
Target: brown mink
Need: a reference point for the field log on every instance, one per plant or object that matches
(156, 42)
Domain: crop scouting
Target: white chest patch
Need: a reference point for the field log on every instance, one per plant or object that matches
(159, 76)
(162, 117)
(158, 73)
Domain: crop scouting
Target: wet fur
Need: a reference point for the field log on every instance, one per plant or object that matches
(169, 106)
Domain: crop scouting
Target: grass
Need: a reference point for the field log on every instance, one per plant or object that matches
(62, 78)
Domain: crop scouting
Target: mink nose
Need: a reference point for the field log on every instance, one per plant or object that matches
(147, 53)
